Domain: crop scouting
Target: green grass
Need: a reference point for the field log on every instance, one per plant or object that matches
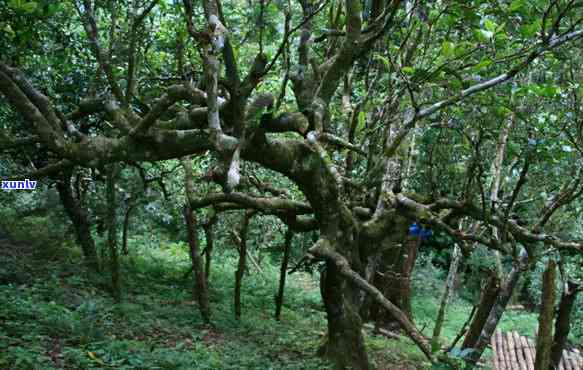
(62, 317)
(425, 310)
(63, 320)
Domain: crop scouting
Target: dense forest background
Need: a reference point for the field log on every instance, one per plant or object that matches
(289, 184)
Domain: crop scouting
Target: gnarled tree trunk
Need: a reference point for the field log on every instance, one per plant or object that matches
(78, 215)
(345, 344)
(387, 272)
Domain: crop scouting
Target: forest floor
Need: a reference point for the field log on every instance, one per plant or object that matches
(56, 315)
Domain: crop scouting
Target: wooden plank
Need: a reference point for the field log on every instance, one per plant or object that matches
(565, 361)
(519, 351)
(504, 352)
(576, 361)
(512, 351)
(499, 349)
(528, 354)
(510, 357)
(562, 364)
(572, 364)
(570, 360)
(495, 361)
(515, 352)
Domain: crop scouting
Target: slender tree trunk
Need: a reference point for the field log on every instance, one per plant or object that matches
(463, 330)
(78, 215)
(563, 322)
(126, 226)
(112, 173)
(199, 292)
(497, 180)
(498, 309)
(544, 339)
(242, 244)
(208, 251)
(284, 263)
(453, 267)
(487, 301)
(408, 265)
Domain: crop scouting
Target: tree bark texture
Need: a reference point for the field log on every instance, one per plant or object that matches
(544, 338)
(282, 275)
(126, 227)
(200, 292)
(79, 216)
(485, 305)
(498, 308)
(112, 173)
(208, 250)
(242, 247)
(563, 321)
(451, 275)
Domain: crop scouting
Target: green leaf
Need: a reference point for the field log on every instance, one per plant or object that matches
(546, 91)
(361, 120)
(483, 35)
(448, 49)
(53, 9)
(29, 7)
(456, 83)
(385, 61)
(490, 26)
(15, 4)
(549, 91)
(408, 70)
(516, 5)
(484, 63)
(529, 30)
(7, 28)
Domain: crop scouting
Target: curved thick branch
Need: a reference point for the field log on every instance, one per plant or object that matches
(268, 205)
(521, 234)
(174, 94)
(48, 170)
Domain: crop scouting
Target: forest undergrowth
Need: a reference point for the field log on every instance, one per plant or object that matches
(54, 314)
